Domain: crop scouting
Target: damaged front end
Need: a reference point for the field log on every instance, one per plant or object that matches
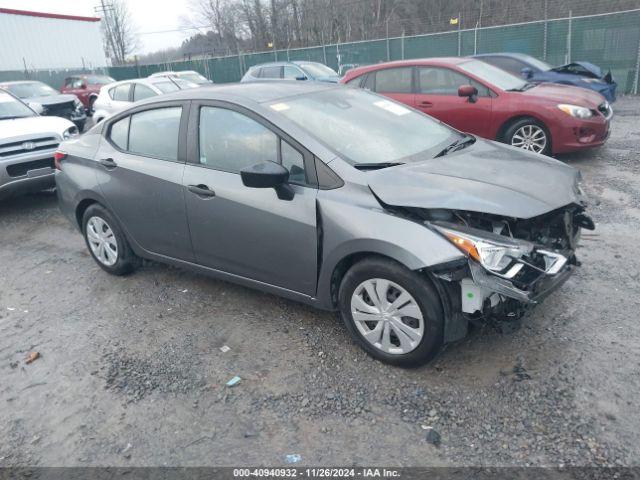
(511, 264)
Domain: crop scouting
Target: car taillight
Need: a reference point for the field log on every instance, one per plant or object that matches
(58, 156)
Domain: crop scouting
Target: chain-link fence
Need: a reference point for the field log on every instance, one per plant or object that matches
(610, 40)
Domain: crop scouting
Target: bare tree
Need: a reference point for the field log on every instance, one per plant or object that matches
(119, 30)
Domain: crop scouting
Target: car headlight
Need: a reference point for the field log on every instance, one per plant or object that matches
(575, 110)
(493, 252)
(70, 132)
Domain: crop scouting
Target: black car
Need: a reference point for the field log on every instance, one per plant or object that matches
(48, 101)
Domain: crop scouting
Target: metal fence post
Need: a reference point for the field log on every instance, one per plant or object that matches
(388, 49)
(635, 81)
(324, 48)
(568, 60)
(402, 46)
(459, 34)
(546, 32)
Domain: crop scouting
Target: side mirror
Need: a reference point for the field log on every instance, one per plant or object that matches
(301, 77)
(36, 107)
(468, 91)
(526, 72)
(268, 175)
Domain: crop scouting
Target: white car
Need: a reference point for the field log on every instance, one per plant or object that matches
(27, 146)
(189, 75)
(117, 96)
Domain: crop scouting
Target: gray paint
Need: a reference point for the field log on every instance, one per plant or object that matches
(251, 237)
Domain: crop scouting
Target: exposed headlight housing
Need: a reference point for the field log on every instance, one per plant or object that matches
(575, 110)
(70, 132)
(78, 105)
(493, 252)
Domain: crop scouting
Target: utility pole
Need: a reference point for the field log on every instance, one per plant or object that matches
(105, 9)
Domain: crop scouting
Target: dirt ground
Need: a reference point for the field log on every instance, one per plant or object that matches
(131, 372)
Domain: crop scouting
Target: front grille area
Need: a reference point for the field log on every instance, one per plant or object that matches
(18, 148)
(605, 109)
(63, 110)
(21, 169)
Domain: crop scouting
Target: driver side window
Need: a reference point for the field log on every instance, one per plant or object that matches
(443, 81)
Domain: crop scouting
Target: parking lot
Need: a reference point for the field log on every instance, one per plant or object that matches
(131, 372)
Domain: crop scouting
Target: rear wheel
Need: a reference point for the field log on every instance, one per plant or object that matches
(528, 134)
(106, 241)
(393, 313)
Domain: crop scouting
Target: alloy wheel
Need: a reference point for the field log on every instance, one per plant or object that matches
(530, 137)
(102, 241)
(387, 316)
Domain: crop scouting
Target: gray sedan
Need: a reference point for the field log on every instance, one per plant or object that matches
(330, 196)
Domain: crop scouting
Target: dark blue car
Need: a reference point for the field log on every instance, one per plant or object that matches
(578, 74)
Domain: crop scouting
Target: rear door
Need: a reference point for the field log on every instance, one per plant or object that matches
(140, 175)
(437, 95)
(271, 72)
(244, 231)
(396, 83)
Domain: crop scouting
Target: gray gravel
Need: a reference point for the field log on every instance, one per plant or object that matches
(132, 373)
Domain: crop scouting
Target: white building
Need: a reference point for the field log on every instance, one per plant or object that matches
(36, 41)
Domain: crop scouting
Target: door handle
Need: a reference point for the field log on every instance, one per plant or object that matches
(201, 190)
(426, 104)
(108, 163)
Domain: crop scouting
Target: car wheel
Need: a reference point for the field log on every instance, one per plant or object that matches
(529, 134)
(106, 241)
(393, 313)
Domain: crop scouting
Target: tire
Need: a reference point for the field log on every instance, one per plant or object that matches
(92, 100)
(117, 261)
(424, 301)
(517, 135)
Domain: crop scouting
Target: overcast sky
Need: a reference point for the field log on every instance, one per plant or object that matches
(148, 16)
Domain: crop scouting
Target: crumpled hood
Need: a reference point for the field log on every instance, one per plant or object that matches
(32, 127)
(51, 99)
(594, 70)
(555, 92)
(486, 177)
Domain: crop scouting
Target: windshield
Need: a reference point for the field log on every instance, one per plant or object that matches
(539, 64)
(12, 108)
(31, 89)
(493, 75)
(99, 80)
(317, 70)
(364, 128)
(194, 77)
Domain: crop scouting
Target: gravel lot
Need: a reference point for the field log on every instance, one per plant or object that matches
(131, 371)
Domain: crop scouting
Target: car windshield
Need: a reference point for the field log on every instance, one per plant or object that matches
(539, 64)
(364, 128)
(193, 77)
(31, 89)
(99, 80)
(317, 70)
(493, 75)
(10, 107)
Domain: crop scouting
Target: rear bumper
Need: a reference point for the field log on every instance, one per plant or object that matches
(26, 174)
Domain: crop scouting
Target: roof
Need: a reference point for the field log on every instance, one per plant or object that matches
(522, 56)
(27, 13)
(435, 61)
(18, 82)
(259, 92)
(284, 62)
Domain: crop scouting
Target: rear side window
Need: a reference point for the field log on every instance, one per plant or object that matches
(231, 141)
(271, 72)
(154, 133)
(120, 132)
(394, 80)
(121, 92)
(140, 92)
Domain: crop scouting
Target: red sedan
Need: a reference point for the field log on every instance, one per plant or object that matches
(86, 88)
(481, 99)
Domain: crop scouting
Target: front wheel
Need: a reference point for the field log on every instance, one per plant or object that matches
(529, 134)
(393, 313)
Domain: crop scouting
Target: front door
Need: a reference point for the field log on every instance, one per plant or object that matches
(244, 231)
(437, 95)
(140, 175)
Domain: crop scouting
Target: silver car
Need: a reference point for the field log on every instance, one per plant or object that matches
(117, 96)
(27, 145)
(334, 197)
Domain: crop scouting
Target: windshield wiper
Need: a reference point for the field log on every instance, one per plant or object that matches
(458, 144)
(526, 86)
(376, 166)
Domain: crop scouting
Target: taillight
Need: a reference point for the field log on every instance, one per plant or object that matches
(58, 156)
